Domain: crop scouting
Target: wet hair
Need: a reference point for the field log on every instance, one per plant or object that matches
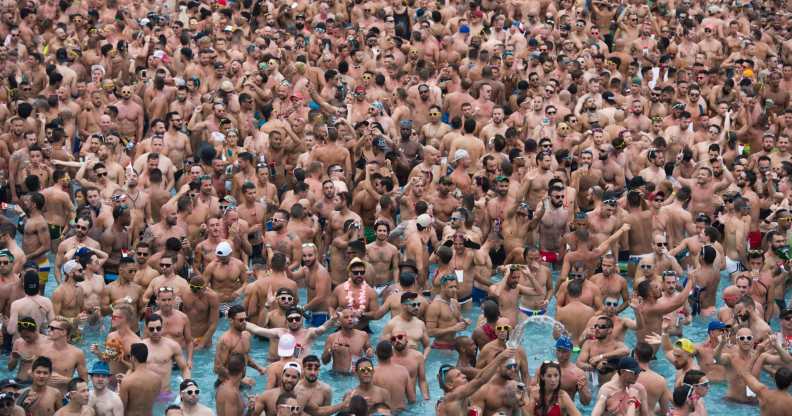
(310, 359)
(42, 362)
(643, 352)
(139, 350)
(783, 378)
(490, 310)
(236, 363)
(575, 288)
(278, 261)
(693, 376)
(72, 386)
(644, 288)
(681, 394)
(234, 310)
(284, 397)
(154, 317)
(384, 350)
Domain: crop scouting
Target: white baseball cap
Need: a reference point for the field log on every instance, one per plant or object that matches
(286, 344)
(424, 220)
(223, 249)
(459, 154)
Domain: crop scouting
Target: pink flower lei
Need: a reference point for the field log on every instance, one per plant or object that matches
(359, 305)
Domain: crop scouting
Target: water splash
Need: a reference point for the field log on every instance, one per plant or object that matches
(516, 338)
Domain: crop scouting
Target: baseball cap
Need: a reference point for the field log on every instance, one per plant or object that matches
(7, 396)
(223, 249)
(226, 86)
(564, 343)
(424, 220)
(406, 296)
(356, 260)
(360, 89)
(100, 368)
(459, 154)
(284, 291)
(188, 382)
(685, 345)
(9, 382)
(785, 312)
(629, 364)
(286, 344)
(293, 366)
(717, 325)
(69, 266)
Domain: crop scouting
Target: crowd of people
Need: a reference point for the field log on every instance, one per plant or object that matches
(356, 184)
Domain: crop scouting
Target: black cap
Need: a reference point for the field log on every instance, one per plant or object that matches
(785, 312)
(10, 382)
(31, 282)
(284, 291)
(187, 383)
(629, 363)
(408, 296)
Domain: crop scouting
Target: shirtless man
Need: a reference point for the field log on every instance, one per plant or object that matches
(103, 401)
(309, 389)
(28, 346)
(32, 305)
(163, 352)
(503, 331)
(364, 369)
(66, 358)
(68, 300)
(444, 315)
(573, 379)
(393, 377)
(622, 391)
(176, 324)
(123, 290)
(347, 345)
(355, 294)
(279, 239)
(201, 306)
(234, 341)
(40, 399)
(141, 386)
(79, 239)
(130, 115)
(553, 225)
(226, 275)
(60, 209)
(408, 322)
(317, 281)
(575, 314)
(304, 337)
(145, 274)
(188, 395)
(652, 309)
(36, 241)
(771, 402)
(412, 360)
(596, 352)
(120, 340)
(338, 217)
(611, 283)
(384, 257)
(736, 359)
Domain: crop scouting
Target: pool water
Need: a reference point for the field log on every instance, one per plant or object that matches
(537, 342)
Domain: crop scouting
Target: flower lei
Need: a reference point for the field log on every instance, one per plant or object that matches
(361, 303)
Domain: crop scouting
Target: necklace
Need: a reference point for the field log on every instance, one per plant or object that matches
(359, 304)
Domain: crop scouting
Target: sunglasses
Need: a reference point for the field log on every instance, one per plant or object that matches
(577, 275)
(192, 392)
(368, 370)
(398, 338)
(5, 263)
(747, 338)
(358, 272)
(81, 227)
(506, 328)
(165, 289)
(612, 304)
(291, 408)
(511, 366)
(27, 325)
(294, 318)
(286, 298)
(661, 244)
(101, 174)
(155, 328)
(141, 253)
(646, 266)
(196, 287)
(166, 264)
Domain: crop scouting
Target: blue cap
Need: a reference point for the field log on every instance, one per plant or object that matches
(564, 343)
(100, 368)
(717, 325)
(464, 29)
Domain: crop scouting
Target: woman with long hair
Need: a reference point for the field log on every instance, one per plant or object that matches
(548, 398)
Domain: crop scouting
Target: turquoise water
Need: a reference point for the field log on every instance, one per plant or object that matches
(537, 342)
